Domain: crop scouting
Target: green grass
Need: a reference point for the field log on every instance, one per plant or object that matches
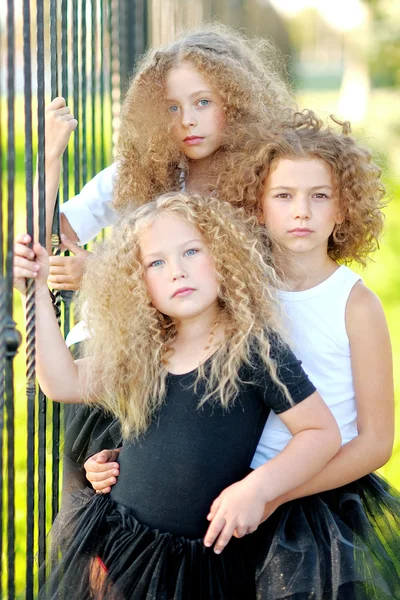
(382, 275)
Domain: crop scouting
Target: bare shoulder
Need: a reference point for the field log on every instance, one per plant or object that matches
(364, 310)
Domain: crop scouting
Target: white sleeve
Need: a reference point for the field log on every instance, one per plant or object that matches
(91, 210)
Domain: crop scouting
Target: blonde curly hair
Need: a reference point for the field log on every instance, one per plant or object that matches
(130, 339)
(246, 74)
(255, 149)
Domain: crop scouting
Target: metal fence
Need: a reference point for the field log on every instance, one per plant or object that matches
(84, 51)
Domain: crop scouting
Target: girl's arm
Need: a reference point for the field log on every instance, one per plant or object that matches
(60, 378)
(240, 507)
(59, 124)
(371, 361)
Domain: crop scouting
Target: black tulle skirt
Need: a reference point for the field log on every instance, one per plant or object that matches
(99, 550)
(340, 545)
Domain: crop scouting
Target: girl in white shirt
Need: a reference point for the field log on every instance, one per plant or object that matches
(320, 196)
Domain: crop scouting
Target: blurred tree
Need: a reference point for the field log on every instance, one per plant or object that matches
(385, 44)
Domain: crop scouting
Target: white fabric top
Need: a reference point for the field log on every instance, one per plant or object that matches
(91, 210)
(317, 328)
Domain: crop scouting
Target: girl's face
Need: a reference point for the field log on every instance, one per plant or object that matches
(197, 110)
(300, 206)
(179, 270)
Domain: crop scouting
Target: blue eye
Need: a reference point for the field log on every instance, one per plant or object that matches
(203, 102)
(173, 109)
(191, 252)
(156, 263)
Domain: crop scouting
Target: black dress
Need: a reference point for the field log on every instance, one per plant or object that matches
(144, 540)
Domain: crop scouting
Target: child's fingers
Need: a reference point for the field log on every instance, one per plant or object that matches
(57, 270)
(103, 477)
(57, 102)
(22, 250)
(106, 490)
(24, 263)
(23, 238)
(102, 461)
(103, 457)
(59, 261)
(60, 278)
(72, 287)
(40, 252)
(214, 529)
(224, 537)
(214, 508)
(24, 273)
(65, 110)
(102, 486)
(115, 454)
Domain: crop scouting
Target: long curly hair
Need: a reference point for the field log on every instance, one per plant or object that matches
(255, 149)
(246, 74)
(130, 339)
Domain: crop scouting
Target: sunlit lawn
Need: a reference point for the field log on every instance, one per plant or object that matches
(383, 276)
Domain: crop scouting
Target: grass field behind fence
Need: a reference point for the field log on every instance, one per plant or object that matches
(382, 133)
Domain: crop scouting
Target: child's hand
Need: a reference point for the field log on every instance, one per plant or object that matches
(59, 124)
(238, 509)
(29, 263)
(101, 471)
(66, 271)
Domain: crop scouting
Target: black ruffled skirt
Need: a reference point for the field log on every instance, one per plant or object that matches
(100, 551)
(340, 545)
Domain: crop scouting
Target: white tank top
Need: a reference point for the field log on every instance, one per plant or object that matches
(318, 337)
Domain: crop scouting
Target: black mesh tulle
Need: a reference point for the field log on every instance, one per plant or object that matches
(100, 551)
(88, 431)
(339, 545)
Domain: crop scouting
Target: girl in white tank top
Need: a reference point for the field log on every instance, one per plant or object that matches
(321, 203)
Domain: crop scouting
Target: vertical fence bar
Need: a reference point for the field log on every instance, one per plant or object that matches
(2, 324)
(3, 315)
(9, 372)
(67, 295)
(102, 79)
(122, 26)
(30, 310)
(42, 404)
(55, 242)
(111, 70)
(75, 70)
(93, 83)
(83, 123)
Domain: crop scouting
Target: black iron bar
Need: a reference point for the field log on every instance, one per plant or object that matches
(111, 66)
(42, 408)
(102, 79)
(75, 70)
(2, 338)
(83, 121)
(93, 84)
(9, 373)
(55, 242)
(30, 310)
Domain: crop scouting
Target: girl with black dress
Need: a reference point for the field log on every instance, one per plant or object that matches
(185, 350)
